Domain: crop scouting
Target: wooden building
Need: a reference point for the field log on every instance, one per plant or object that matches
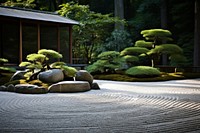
(24, 31)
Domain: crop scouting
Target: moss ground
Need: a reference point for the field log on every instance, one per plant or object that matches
(5, 77)
(5, 80)
(163, 77)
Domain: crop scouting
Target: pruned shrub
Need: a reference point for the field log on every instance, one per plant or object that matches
(142, 43)
(108, 62)
(143, 71)
(131, 58)
(133, 51)
(39, 62)
(166, 49)
(159, 34)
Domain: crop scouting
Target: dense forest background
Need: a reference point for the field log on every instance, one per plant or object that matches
(178, 16)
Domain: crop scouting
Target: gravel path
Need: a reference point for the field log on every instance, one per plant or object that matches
(119, 107)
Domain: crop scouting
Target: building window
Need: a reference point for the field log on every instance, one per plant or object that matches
(9, 41)
(29, 39)
(64, 43)
(48, 37)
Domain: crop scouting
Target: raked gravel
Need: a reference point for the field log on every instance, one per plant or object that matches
(119, 107)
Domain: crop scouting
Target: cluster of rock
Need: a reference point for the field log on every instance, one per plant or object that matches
(83, 81)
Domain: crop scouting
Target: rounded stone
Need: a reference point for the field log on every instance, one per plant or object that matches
(70, 86)
(18, 75)
(3, 88)
(11, 88)
(51, 76)
(83, 75)
(95, 86)
(29, 89)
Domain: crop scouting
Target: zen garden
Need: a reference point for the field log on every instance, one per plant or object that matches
(117, 53)
(99, 66)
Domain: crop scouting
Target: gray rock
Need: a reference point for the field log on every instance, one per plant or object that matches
(18, 75)
(11, 88)
(51, 76)
(3, 88)
(30, 89)
(83, 75)
(95, 86)
(70, 86)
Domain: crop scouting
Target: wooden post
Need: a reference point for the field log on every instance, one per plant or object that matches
(38, 36)
(70, 44)
(20, 41)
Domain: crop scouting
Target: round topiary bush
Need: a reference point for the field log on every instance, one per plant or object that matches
(143, 71)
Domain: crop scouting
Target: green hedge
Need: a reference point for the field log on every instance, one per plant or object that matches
(143, 71)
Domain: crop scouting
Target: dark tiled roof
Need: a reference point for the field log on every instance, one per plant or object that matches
(34, 15)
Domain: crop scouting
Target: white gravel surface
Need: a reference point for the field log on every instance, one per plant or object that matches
(119, 107)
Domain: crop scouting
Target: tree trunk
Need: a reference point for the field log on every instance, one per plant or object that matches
(119, 12)
(197, 34)
(164, 25)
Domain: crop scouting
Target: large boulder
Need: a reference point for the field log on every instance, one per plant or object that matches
(18, 75)
(51, 76)
(70, 86)
(83, 75)
(30, 89)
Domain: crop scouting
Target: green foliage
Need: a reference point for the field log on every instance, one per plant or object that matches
(133, 51)
(108, 62)
(5, 69)
(71, 71)
(131, 58)
(50, 53)
(40, 61)
(35, 66)
(24, 64)
(93, 30)
(39, 83)
(96, 67)
(3, 60)
(142, 43)
(155, 38)
(27, 75)
(118, 40)
(146, 13)
(108, 55)
(68, 71)
(183, 26)
(157, 35)
(178, 60)
(156, 32)
(143, 71)
(36, 57)
(166, 49)
(20, 3)
(31, 66)
(162, 77)
(58, 64)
